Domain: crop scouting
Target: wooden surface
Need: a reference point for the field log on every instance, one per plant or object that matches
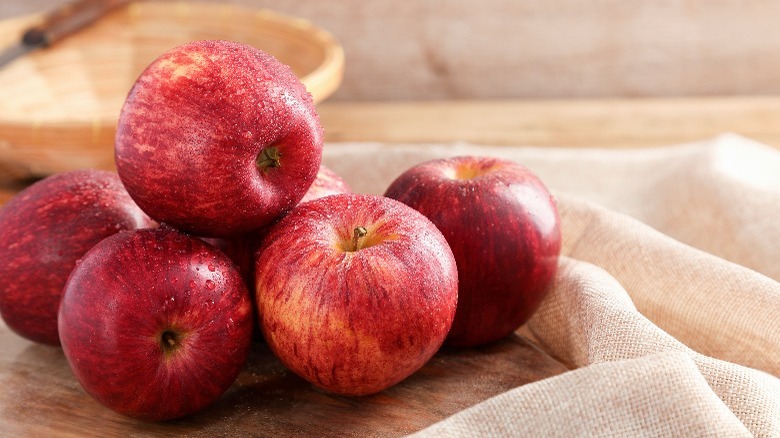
(457, 49)
(40, 396)
(523, 48)
(596, 123)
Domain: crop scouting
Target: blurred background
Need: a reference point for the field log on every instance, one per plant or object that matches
(460, 49)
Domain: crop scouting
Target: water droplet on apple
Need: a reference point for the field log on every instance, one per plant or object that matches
(212, 268)
(168, 301)
(210, 285)
(230, 326)
(193, 284)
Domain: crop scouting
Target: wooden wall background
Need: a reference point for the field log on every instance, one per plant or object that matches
(462, 49)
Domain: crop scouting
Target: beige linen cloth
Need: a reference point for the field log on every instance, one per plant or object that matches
(666, 306)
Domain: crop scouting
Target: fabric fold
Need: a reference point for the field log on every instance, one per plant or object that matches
(608, 399)
(586, 320)
(716, 307)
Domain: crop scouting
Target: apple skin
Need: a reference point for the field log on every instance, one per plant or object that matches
(217, 138)
(155, 324)
(44, 230)
(355, 322)
(240, 250)
(502, 224)
(326, 183)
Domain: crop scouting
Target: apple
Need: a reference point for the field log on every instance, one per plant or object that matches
(502, 225)
(326, 183)
(44, 230)
(155, 324)
(217, 139)
(355, 292)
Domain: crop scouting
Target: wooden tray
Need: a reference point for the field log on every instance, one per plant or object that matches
(59, 106)
(40, 396)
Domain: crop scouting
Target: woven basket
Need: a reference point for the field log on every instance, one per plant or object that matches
(59, 106)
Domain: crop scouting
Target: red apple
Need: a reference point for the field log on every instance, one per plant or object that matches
(355, 292)
(44, 230)
(503, 227)
(327, 183)
(155, 324)
(217, 138)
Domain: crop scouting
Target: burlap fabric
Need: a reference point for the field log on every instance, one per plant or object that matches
(667, 302)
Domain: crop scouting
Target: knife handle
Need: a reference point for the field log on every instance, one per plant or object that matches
(68, 19)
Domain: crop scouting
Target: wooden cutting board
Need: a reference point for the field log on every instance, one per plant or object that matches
(41, 397)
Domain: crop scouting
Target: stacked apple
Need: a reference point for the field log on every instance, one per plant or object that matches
(219, 143)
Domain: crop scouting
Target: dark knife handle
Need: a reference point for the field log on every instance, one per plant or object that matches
(67, 20)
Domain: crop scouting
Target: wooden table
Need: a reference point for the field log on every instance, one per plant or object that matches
(40, 397)
(610, 123)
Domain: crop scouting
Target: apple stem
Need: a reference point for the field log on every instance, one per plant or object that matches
(268, 158)
(357, 237)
